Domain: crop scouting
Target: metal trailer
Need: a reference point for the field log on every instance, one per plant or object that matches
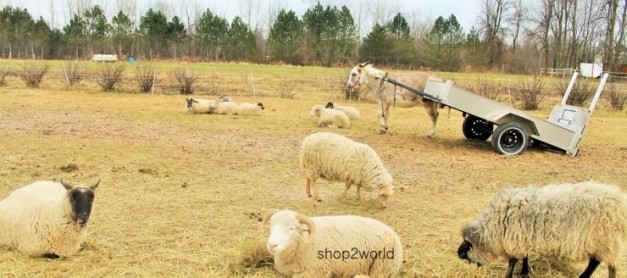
(515, 128)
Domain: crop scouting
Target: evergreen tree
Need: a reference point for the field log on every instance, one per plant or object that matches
(284, 38)
(122, 34)
(376, 46)
(241, 44)
(211, 33)
(153, 29)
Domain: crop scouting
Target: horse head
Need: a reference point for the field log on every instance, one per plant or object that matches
(360, 74)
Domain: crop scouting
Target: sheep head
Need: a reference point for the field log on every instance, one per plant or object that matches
(316, 110)
(189, 102)
(81, 199)
(473, 249)
(286, 230)
(385, 191)
(329, 105)
(261, 105)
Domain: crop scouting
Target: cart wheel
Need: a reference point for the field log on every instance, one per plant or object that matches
(510, 139)
(476, 128)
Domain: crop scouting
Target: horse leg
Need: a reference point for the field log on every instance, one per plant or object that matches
(432, 110)
(383, 113)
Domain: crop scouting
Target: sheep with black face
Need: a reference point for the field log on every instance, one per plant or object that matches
(570, 222)
(46, 218)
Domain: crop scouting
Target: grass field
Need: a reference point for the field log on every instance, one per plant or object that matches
(177, 190)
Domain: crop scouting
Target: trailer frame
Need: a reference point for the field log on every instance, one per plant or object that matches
(512, 129)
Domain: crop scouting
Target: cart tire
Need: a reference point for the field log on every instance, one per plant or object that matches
(475, 128)
(510, 139)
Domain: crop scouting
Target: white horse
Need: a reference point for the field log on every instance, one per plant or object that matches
(365, 74)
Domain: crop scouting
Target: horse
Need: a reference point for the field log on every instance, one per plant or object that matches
(365, 74)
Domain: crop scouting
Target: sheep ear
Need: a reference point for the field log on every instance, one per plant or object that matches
(66, 185)
(93, 186)
(312, 226)
(266, 217)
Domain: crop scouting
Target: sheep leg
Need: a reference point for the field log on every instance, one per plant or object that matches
(311, 184)
(611, 270)
(358, 192)
(592, 265)
(510, 268)
(308, 187)
(432, 110)
(525, 267)
(348, 186)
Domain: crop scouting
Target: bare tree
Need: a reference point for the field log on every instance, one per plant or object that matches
(494, 15)
(517, 21)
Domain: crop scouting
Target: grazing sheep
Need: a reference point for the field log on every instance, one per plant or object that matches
(332, 246)
(334, 157)
(249, 109)
(574, 222)
(224, 107)
(330, 117)
(350, 111)
(46, 218)
(199, 105)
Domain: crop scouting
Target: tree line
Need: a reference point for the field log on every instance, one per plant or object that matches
(512, 36)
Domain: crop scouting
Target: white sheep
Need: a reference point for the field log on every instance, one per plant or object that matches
(330, 117)
(350, 111)
(46, 218)
(199, 105)
(336, 158)
(332, 246)
(249, 109)
(574, 222)
(224, 107)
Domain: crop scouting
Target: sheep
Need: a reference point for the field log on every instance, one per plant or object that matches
(332, 246)
(199, 105)
(336, 158)
(46, 218)
(225, 107)
(350, 111)
(330, 117)
(225, 98)
(249, 109)
(574, 222)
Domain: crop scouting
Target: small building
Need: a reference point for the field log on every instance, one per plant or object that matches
(108, 58)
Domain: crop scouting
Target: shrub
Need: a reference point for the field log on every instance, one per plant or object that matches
(146, 78)
(33, 75)
(579, 94)
(4, 72)
(615, 96)
(109, 75)
(73, 74)
(484, 88)
(529, 93)
(185, 80)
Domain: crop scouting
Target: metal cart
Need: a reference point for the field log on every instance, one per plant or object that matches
(515, 129)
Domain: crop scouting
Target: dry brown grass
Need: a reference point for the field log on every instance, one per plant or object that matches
(177, 191)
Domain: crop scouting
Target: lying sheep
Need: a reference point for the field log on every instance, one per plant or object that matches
(330, 117)
(332, 246)
(46, 218)
(199, 105)
(249, 109)
(334, 157)
(575, 222)
(224, 107)
(350, 111)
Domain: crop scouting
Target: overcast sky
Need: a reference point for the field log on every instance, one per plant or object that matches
(57, 12)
